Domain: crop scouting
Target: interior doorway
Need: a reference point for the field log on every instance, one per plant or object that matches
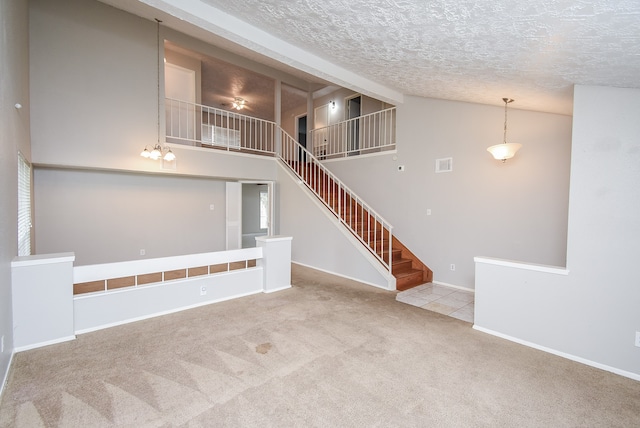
(180, 84)
(301, 129)
(353, 111)
(301, 134)
(257, 211)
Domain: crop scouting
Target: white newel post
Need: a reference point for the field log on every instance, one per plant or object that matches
(42, 297)
(276, 262)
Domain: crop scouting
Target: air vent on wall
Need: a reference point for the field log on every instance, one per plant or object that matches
(444, 165)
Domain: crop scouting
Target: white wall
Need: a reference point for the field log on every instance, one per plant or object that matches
(107, 216)
(14, 137)
(317, 241)
(592, 313)
(515, 210)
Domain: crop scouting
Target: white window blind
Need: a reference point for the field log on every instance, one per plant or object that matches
(24, 207)
(219, 136)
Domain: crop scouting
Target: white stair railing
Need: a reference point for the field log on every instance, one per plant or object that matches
(369, 227)
(364, 134)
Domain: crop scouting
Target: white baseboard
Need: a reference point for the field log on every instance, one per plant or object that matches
(459, 287)
(46, 343)
(342, 276)
(6, 375)
(277, 289)
(630, 375)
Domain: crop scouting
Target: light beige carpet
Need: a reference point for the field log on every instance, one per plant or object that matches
(326, 353)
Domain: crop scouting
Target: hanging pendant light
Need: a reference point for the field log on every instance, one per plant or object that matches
(505, 150)
(169, 156)
(158, 152)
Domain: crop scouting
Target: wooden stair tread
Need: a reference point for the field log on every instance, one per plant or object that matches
(409, 272)
(401, 265)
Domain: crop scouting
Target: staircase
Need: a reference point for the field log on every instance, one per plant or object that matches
(367, 226)
(230, 131)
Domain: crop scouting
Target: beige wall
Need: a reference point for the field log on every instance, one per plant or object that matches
(14, 137)
(514, 210)
(590, 314)
(110, 216)
(94, 94)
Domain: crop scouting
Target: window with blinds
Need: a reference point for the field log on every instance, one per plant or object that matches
(24, 206)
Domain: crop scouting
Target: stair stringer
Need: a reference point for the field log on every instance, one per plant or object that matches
(377, 275)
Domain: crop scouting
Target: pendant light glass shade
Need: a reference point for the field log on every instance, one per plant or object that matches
(156, 153)
(169, 156)
(504, 151)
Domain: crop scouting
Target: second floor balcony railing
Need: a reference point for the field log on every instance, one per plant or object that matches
(200, 125)
(370, 133)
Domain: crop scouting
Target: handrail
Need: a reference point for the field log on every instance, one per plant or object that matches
(363, 134)
(369, 227)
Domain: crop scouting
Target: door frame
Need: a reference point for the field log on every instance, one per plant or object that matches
(353, 136)
(271, 192)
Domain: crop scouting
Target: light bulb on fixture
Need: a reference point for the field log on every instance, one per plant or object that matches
(169, 156)
(156, 153)
(504, 150)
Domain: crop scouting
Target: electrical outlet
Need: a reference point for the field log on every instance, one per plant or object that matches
(143, 252)
(211, 207)
(203, 291)
(638, 339)
(428, 211)
(452, 267)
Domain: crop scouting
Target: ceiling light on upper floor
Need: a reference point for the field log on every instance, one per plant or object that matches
(238, 103)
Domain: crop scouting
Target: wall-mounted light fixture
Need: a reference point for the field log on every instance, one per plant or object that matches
(505, 150)
(238, 103)
(158, 151)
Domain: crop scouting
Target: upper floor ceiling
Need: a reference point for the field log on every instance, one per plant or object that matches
(466, 50)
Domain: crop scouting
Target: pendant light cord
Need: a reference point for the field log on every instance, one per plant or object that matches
(158, 75)
(506, 101)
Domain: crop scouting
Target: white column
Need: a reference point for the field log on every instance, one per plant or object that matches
(42, 296)
(275, 262)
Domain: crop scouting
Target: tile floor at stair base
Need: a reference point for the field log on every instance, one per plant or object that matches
(438, 298)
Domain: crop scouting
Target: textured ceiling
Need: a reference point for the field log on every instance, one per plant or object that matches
(469, 50)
